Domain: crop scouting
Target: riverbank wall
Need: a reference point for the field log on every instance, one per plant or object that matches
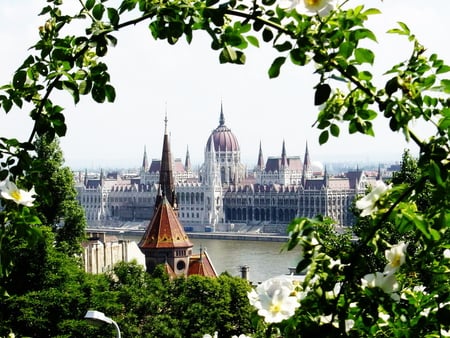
(237, 236)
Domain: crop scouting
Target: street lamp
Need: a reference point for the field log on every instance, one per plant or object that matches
(96, 316)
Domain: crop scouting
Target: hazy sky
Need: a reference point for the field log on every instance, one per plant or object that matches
(151, 77)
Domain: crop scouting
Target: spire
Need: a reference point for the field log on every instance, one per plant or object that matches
(307, 159)
(166, 181)
(145, 160)
(307, 167)
(284, 162)
(85, 177)
(260, 164)
(187, 162)
(326, 178)
(222, 118)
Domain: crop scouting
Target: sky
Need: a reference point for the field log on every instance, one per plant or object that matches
(188, 83)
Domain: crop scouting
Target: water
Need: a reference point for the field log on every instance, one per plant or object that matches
(264, 259)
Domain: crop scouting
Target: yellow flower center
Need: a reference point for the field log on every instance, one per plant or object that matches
(16, 195)
(312, 2)
(275, 308)
(396, 261)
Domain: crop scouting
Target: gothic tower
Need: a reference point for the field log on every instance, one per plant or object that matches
(165, 241)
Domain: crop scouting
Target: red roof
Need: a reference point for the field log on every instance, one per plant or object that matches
(201, 265)
(165, 230)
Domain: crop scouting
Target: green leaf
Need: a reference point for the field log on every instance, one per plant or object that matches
(363, 55)
(85, 86)
(334, 129)
(346, 49)
(443, 69)
(298, 56)
(303, 264)
(372, 11)
(403, 30)
(228, 55)
(7, 105)
(283, 47)
(72, 88)
(365, 75)
(89, 4)
(113, 16)
(391, 86)
(110, 93)
(274, 69)
(363, 33)
(19, 79)
(28, 61)
(267, 35)
(367, 114)
(322, 94)
(323, 137)
(98, 11)
(98, 93)
(445, 84)
(253, 40)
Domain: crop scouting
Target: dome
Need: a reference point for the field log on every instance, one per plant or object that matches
(223, 138)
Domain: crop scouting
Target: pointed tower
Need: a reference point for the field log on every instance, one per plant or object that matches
(284, 172)
(307, 166)
(326, 178)
(145, 164)
(165, 241)
(187, 161)
(260, 165)
(166, 180)
(284, 161)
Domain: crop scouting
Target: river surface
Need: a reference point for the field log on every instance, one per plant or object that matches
(264, 259)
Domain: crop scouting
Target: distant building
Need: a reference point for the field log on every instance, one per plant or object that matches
(101, 252)
(223, 194)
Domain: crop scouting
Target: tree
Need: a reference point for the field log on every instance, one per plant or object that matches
(47, 290)
(58, 206)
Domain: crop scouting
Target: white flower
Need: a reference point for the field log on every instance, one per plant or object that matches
(349, 323)
(333, 293)
(384, 317)
(395, 256)
(10, 191)
(368, 203)
(445, 333)
(209, 336)
(241, 336)
(309, 7)
(447, 253)
(385, 281)
(275, 299)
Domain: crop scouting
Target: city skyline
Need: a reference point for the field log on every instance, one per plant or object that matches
(188, 83)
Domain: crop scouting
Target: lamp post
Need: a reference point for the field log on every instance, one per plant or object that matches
(96, 316)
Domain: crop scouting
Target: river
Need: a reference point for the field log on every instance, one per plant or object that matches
(264, 259)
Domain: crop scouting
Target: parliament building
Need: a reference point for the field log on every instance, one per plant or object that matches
(224, 195)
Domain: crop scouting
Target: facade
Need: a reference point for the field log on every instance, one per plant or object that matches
(101, 252)
(224, 195)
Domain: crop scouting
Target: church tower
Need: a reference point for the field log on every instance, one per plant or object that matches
(164, 240)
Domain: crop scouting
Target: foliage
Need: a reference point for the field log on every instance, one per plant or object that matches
(346, 295)
(57, 205)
